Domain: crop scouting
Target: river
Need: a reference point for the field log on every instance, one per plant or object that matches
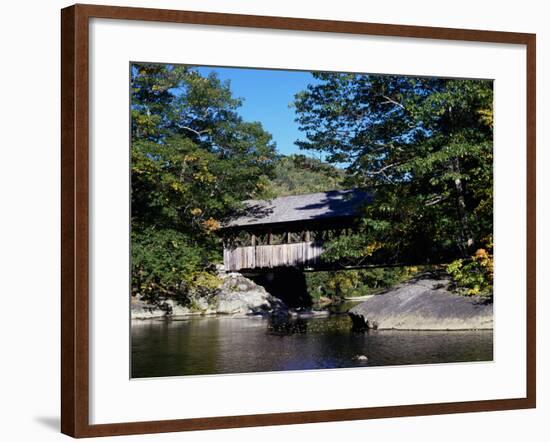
(216, 345)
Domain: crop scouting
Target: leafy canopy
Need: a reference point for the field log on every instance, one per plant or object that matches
(423, 146)
(194, 159)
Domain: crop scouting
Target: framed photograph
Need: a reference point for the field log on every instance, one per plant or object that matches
(271, 221)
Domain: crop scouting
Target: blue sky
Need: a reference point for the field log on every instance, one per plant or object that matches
(266, 97)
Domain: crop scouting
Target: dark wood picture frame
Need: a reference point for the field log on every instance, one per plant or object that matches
(75, 219)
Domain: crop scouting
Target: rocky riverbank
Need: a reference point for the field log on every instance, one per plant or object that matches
(237, 296)
(424, 303)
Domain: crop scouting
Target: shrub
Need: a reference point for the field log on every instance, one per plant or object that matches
(473, 276)
(167, 263)
(352, 283)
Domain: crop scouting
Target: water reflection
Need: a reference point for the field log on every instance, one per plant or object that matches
(215, 345)
(284, 327)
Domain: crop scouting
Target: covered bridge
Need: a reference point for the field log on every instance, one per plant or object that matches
(288, 231)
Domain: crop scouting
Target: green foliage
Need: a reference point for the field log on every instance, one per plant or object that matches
(193, 161)
(338, 285)
(473, 276)
(353, 248)
(166, 263)
(422, 146)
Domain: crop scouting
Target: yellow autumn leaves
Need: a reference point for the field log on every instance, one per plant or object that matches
(474, 276)
(209, 224)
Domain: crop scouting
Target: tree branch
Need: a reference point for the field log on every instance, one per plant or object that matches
(435, 200)
(392, 101)
(199, 133)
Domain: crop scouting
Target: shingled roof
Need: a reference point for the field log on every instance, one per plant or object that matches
(311, 206)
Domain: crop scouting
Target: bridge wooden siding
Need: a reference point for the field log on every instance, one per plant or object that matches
(302, 254)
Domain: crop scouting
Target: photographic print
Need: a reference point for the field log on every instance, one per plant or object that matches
(292, 220)
(248, 211)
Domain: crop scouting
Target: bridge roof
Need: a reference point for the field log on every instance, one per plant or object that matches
(308, 207)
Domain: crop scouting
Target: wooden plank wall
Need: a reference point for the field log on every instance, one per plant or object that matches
(269, 256)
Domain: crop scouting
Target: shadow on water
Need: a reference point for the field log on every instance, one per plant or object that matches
(219, 345)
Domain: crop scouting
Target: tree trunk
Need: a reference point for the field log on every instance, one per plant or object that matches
(466, 239)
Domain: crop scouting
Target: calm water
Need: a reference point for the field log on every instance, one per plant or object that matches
(199, 346)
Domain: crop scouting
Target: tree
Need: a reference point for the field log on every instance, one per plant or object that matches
(194, 160)
(422, 146)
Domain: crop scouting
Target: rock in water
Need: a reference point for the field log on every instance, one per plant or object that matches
(240, 295)
(422, 304)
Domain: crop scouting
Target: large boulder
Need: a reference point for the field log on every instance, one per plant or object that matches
(236, 295)
(424, 303)
(141, 309)
(240, 295)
